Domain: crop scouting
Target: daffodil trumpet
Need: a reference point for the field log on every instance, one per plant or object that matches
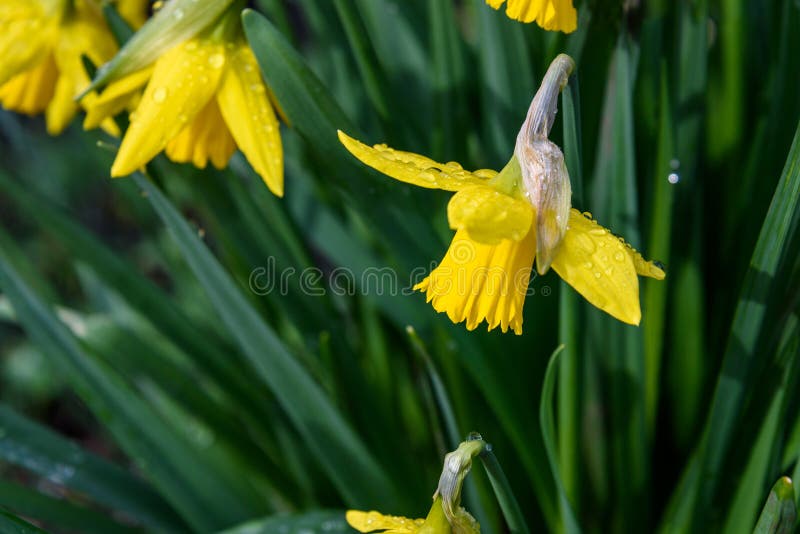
(505, 221)
(553, 15)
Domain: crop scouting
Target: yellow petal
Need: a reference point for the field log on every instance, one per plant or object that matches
(245, 104)
(602, 268)
(376, 521)
(30, 91)
(184, 80)
(206, 137)
(26, 37)
(83, 32)
(554, 15)
(489, 216)
(413, 168)
(119, 95)
(476, 282)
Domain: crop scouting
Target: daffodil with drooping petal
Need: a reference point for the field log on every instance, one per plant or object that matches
(41, 44)
(554, 15)
(505, 221)
(203, 98)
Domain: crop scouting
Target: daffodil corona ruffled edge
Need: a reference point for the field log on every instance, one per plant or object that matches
(485, 273)
(553, 15)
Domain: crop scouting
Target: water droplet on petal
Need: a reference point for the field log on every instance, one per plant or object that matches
(216, 60)
(597, 231)
(597, 274)
(673, 178)
(619, 256)
(160, 94)
(178, 14)
(588, 265)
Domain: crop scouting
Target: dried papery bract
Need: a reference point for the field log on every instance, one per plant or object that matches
(544, 174)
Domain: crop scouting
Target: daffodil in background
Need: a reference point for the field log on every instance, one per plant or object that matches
(203, 95)
(554, 15)
(446, 514)
(41, 44)
(135, 12)
(504, 221)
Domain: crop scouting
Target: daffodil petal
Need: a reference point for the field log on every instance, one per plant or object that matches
(489, 216)
(601, 267)
(554, 15)
(117, 96)
(30, 91)
(26, 38)
(206, 137)
(413, 168)
(245, 104)
(476, 282)
(376, 521)
(62, 107)
(184, 80)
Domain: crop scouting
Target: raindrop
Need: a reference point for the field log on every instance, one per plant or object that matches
(160, 94)
(673, 178)
(588, 265)
(597, 231)
(619, 256)
(674, 164)
(597, 274)
(216, 60)
(257, 88)
(178, 14)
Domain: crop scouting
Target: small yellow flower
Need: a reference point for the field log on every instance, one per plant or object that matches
(554, 15)
(41, 44)
(203, 98)
(504, 221)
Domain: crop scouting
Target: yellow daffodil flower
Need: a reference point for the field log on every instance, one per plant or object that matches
(504, 221)
(41, 44)
(554, 15)
(203, 98)
(446, 515)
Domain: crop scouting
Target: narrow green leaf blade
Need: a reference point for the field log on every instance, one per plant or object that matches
(38, 449)
(331, 439)
(569, 523)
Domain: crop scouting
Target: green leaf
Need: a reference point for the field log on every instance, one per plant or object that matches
(316, 522)
(11, 524)
(760, 284)
(58, 512)
(33, 447)
(569, 523)
(203, 497)
(329, 437)
(779, 513)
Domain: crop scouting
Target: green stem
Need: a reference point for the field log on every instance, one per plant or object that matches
(502, 490)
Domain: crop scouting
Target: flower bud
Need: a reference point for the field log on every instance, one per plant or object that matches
(545, 180)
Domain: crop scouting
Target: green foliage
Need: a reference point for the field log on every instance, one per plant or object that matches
(213, 359)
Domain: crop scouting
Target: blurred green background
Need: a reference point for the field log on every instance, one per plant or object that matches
(144, 386)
